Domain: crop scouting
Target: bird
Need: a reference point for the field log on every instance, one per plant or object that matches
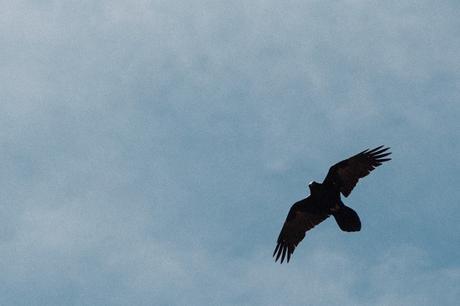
(325, 200)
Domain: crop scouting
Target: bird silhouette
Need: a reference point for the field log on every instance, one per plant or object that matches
(325, 200)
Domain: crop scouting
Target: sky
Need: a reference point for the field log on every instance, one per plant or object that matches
(150, 151)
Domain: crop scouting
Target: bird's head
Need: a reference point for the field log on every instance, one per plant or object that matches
(313, 186)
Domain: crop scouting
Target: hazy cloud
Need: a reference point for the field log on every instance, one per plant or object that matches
(150, 150)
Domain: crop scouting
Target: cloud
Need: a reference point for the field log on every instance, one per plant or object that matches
(150, 150)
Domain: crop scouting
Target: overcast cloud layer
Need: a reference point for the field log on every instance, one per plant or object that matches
(150, 151)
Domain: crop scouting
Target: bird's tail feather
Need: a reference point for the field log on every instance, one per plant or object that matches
(347, 219)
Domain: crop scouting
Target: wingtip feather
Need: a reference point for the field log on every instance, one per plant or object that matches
(278, 255)
(375, 149)
(276, 249)
(284, 254)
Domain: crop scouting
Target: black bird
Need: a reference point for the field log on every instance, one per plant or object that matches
(324, 200)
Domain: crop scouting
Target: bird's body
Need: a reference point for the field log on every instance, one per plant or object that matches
(325, 200)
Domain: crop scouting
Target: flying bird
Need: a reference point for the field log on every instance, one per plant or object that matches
(325, 200)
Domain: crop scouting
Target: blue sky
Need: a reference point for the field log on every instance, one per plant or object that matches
(150, 151)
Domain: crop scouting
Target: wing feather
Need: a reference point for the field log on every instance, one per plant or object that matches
(346, 174)
(298, 222)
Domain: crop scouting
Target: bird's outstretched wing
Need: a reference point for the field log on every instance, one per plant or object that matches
(300, 219)
(346, 173)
